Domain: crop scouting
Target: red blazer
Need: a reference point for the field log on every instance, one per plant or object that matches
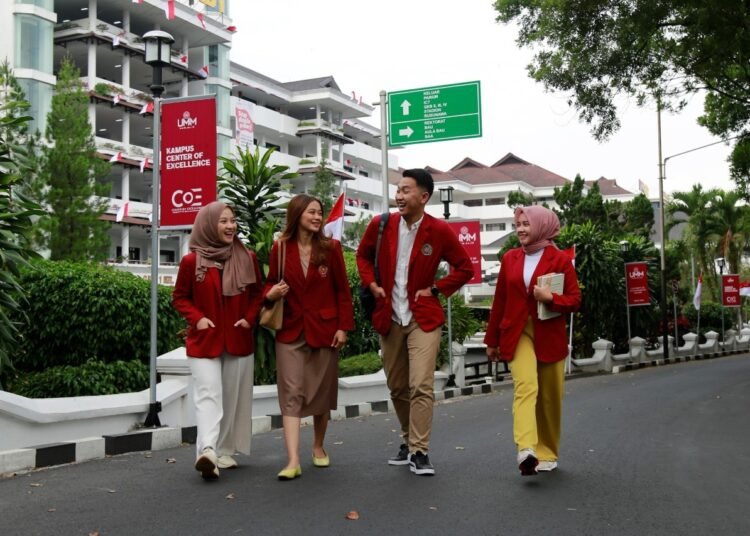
(317, 305)
(513, 304)
(194, 300)
(435, 242)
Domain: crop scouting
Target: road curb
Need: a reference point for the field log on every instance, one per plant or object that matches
(41, 456)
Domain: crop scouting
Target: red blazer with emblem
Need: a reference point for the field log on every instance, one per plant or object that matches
(194, 300)
(317, 305)
(435, 242)
(513, 304)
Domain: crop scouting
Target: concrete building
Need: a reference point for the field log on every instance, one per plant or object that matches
(306, 120)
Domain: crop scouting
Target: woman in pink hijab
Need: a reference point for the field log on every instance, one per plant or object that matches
(535, 348)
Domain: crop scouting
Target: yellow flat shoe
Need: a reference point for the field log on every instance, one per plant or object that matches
(290, 474)
(325, 461)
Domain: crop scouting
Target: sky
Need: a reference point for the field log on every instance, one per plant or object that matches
(395, 45)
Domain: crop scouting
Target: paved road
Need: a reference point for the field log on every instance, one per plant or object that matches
(652, 452)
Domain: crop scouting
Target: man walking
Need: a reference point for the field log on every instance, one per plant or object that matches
(408, 314)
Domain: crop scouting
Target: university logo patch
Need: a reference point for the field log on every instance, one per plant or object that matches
(427, 250)
(323, 270)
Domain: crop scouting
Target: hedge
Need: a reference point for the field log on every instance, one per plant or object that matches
(82, 311)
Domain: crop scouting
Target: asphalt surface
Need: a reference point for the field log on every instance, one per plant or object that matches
(656, 451)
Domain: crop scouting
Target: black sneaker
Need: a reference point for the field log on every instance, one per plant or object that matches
(420, 464)
(402, 458)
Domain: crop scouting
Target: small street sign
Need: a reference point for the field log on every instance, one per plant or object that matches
(435, 113)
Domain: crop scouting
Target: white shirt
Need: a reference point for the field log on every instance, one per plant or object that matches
(530, 262)
(400, 303)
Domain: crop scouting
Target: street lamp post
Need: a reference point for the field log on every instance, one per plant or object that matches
(446, 197)
(624, 247)
(158, 54)
(721, 263)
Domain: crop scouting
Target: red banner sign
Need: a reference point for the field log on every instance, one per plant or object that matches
(468, 235)
(188, 159)
(636, 280)
(730, 290)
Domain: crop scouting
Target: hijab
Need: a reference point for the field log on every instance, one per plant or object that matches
(544, 225)
(210, 250)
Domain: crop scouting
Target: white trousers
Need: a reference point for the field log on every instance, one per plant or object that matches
(223, 398)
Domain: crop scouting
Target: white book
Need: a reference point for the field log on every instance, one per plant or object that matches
(556, 284)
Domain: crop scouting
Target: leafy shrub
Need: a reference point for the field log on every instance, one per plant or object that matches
(358, 365)
(80, 311)
(362, 339)
(92, 378)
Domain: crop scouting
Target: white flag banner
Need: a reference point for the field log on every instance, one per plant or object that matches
(697, 295)
(122, 212)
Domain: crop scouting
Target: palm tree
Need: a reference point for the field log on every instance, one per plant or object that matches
(728, 222)
(695, 208)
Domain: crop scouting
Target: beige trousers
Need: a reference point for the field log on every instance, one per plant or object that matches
(223, 400)
(409, 356)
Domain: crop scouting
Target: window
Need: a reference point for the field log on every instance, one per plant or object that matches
(270, 145)
(494, 227)
(363, 173)
(350, 169)
(494, 201)
(134, 254)
(167, 257)
(34, 39)
(473, 203)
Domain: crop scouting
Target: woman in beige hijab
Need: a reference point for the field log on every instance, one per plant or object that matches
(219, 292)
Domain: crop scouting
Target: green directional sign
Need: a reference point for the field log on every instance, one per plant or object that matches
(435, 113)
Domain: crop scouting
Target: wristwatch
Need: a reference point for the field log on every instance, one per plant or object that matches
(435, 291)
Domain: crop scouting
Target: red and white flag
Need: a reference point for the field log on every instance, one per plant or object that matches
(744, 288)
(232, 29)
(202, 19)
(116, 98)
(203, 71)
(169, 9)
(116, 157)
(116, 39)
(147, 108)
(122, 212)
(183, 58)
(334, 226)
(697, 295)
(144, 163)
(137, 1)
(571, 253)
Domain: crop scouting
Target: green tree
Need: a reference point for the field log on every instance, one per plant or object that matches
(638, 216)
(354, 231)
(518, 198)
(729, 224)
(694, 209)
(253, 187)
(75, 192)
(18, 134)
(16, 212)
(596, 51)
(325, 187)
(578, 206)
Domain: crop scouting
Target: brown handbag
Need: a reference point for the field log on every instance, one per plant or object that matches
(273, 317)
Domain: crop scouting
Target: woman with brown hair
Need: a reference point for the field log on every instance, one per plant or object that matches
(219, 291)
(318, 312)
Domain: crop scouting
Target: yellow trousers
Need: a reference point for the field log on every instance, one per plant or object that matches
(537, 398)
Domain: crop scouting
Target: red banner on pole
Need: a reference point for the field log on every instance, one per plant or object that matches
(468, 236)
(637, 283)
(188, 159)
(730, 290)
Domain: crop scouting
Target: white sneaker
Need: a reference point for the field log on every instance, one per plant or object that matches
(227, 462)
(547, 465)
(527, 462)
(207, 464)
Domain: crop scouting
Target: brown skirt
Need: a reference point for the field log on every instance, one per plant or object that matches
(307, 378)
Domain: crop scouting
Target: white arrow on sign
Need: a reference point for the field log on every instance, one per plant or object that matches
(405, 107)
(406, 132)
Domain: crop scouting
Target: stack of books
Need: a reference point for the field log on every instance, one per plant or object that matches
(556, 283)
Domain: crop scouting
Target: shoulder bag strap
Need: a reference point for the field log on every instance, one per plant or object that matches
(383, 221)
